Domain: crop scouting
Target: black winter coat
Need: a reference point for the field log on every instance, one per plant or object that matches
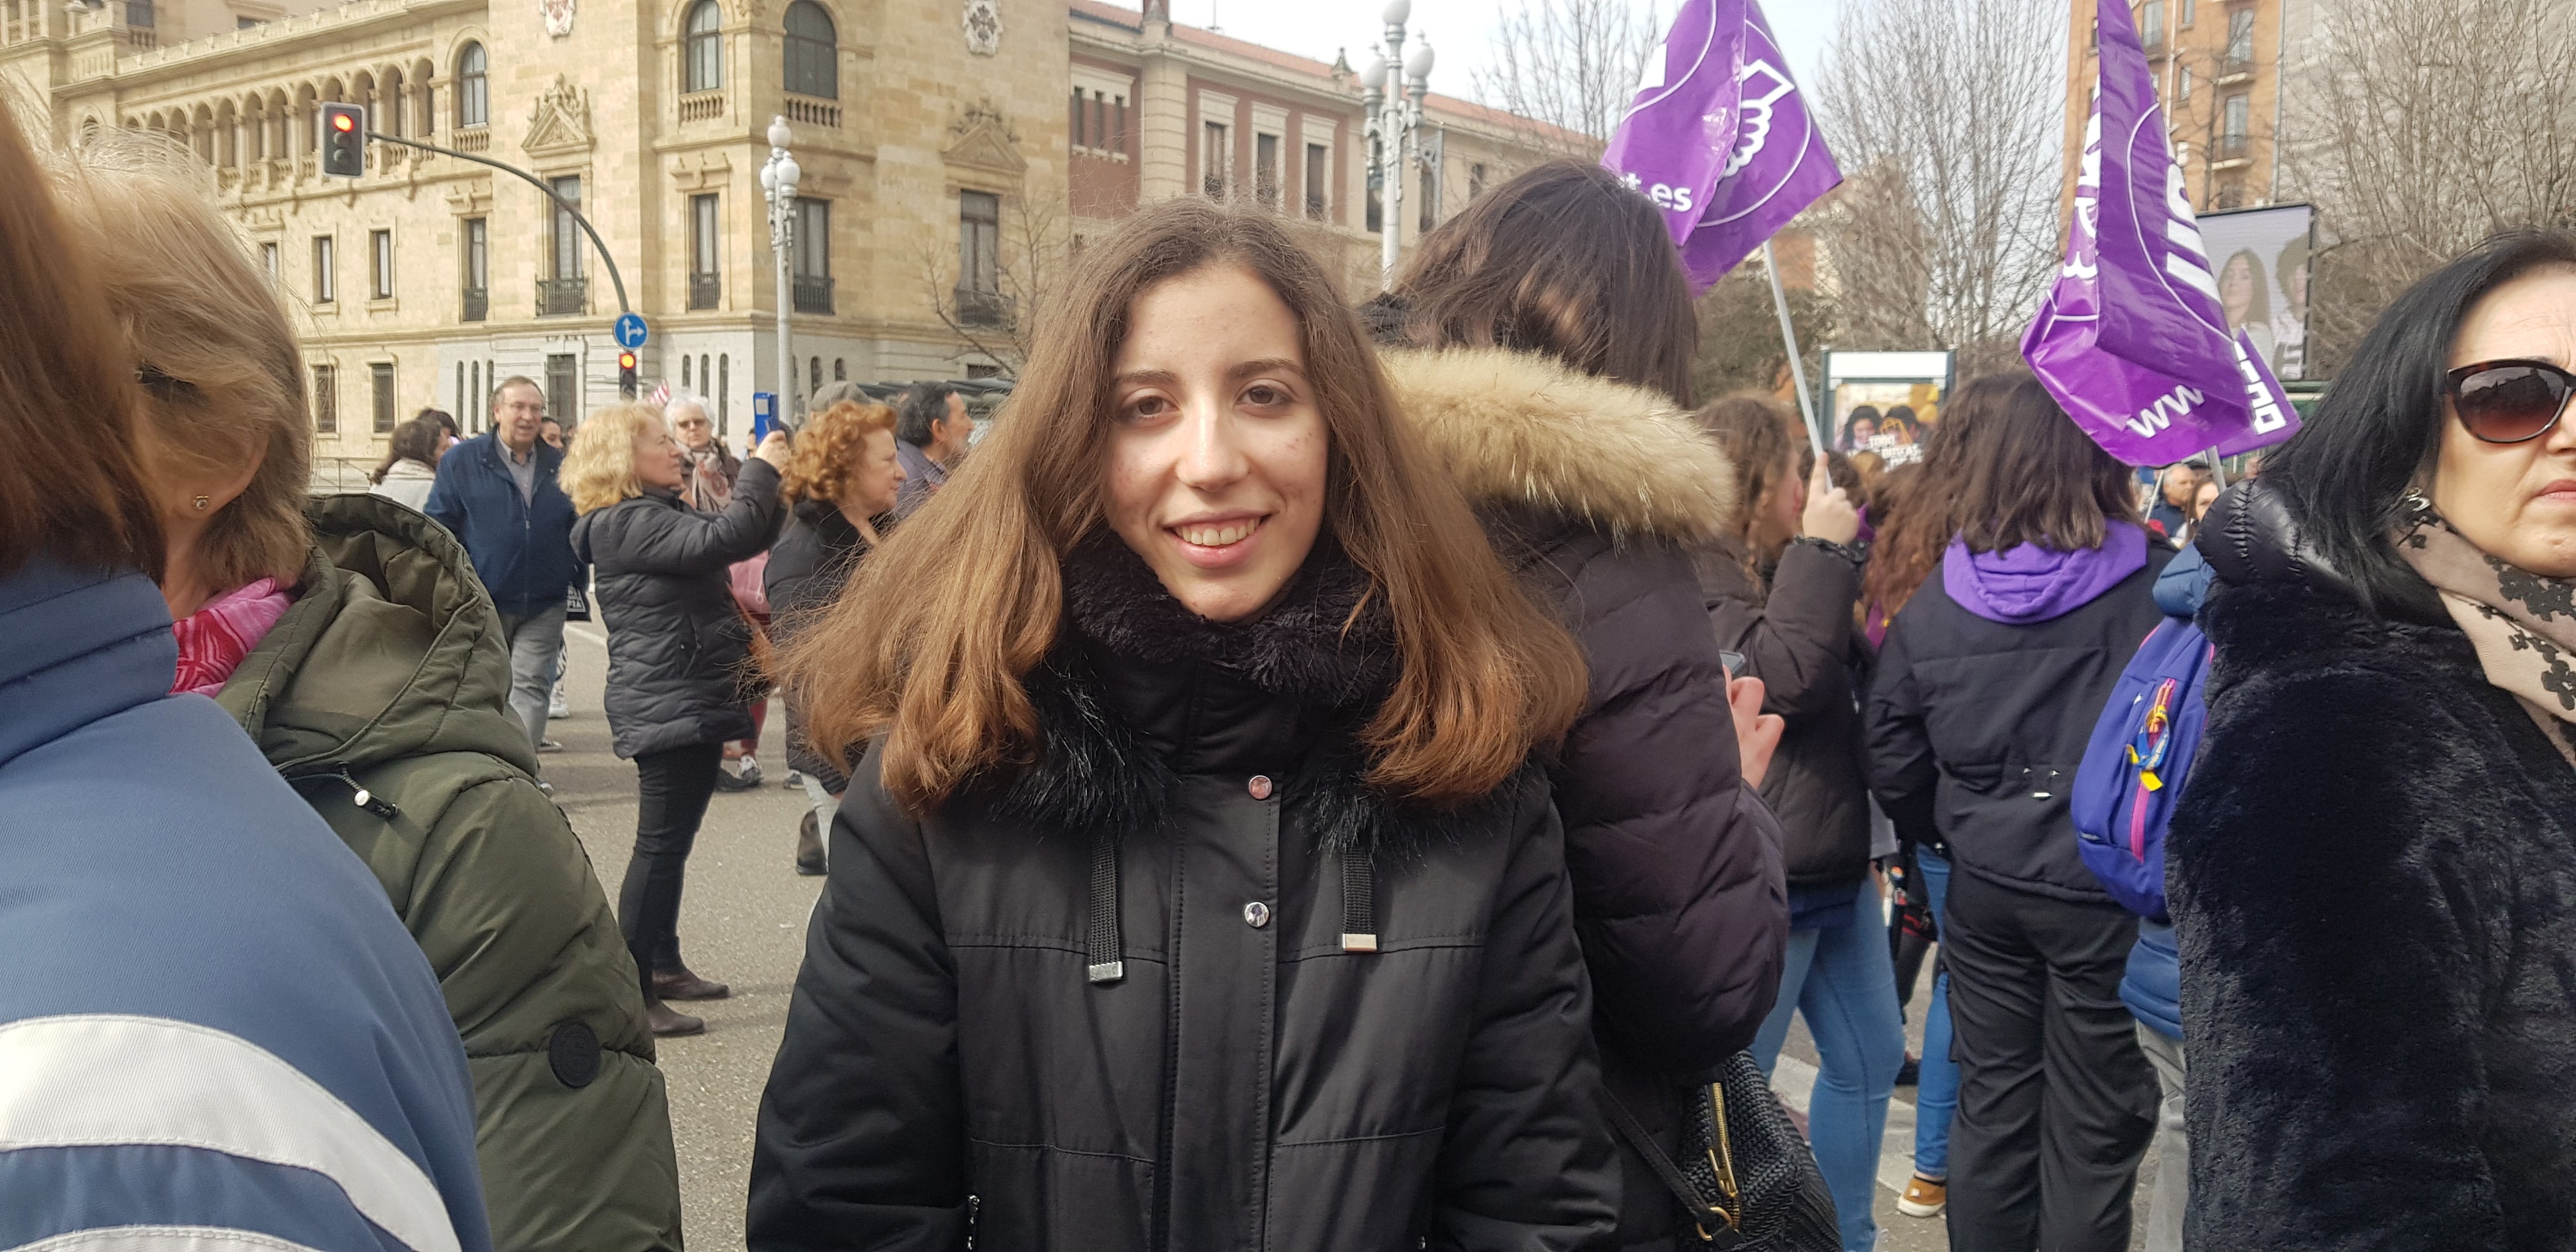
(679, 652)
(807, 568)
(976, 1049)
(2373, 873)
(1798, 637)
(1976, 726)
(1589, 489)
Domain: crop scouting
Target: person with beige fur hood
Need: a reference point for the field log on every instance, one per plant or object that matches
(1541, 342)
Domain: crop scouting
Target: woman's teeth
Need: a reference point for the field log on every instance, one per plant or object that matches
(1218, 535)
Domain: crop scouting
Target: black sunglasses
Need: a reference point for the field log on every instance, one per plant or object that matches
(2509, 401)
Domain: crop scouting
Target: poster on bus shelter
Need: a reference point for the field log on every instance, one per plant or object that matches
(1884, 402)
(2262, 260)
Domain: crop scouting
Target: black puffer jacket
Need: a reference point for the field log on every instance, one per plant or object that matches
(1975, 726)
(2373, 873)
(807, 568)
(1590, 488)
(679, 653)
(973, 1052)
(1797, 636)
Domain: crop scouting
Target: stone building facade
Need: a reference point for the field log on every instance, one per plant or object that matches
(944, 176)
(2219, 66)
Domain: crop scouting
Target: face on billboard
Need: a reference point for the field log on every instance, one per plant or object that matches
(2263, 279)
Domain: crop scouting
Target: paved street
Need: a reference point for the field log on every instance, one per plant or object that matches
(743, 923)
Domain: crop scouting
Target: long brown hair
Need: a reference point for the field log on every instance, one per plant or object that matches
(2025, 473)
(1561, 260)
(2004, 466)
(930, 642)
(1760, 436)
(72, 486)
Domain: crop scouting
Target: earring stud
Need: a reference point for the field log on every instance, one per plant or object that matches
(201, 502)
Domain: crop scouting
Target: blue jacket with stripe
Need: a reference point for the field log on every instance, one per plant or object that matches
(521, 546)
(210, 1018)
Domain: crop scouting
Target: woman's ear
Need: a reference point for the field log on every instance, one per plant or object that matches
(188, 490)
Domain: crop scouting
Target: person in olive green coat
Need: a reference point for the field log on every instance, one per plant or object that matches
(380, 695)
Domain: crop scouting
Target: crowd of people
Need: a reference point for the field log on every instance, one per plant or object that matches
(1304, 775)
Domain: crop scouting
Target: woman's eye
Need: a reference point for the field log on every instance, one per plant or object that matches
(1266, 395)
(1143, 407)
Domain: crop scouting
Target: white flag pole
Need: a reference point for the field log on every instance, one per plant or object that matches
(1797, 367)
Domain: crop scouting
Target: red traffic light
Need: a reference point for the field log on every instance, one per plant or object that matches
(626, 360)
(343, 122)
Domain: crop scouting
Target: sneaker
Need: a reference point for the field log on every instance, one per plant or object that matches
(1923, 1197)
(1910, 1073)
(550, 745)
(546, 787)
(742, 779)
(559, 706)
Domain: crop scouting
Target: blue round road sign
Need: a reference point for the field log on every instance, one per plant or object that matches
(630, 330)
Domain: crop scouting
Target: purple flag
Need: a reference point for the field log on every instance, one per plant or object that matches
(2131, 339)
(1681, 123)
(1778, 167)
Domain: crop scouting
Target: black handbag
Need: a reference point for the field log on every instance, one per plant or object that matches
(1749, 1182)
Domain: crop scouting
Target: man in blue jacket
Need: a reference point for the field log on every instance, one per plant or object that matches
(497, 493)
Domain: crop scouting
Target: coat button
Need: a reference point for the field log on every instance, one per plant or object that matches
(1256, 915)
(1260, 789)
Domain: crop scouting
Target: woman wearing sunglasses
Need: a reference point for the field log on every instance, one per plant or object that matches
(2374, 869)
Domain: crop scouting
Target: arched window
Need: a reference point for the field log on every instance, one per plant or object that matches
(813, 62)
(703, 48)
(840, 370)
(473, 87)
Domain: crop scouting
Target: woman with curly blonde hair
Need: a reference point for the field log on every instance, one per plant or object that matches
(678, 657)
(842, 483)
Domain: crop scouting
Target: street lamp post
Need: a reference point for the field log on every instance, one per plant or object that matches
(1392, 89)
(778, 185)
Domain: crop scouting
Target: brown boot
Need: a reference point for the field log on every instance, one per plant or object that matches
(680, 984)
(809, 847)
(665, 1020)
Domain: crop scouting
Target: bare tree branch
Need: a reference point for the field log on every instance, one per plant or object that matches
(1946, 117)
(1573, 64)
(2418, 128)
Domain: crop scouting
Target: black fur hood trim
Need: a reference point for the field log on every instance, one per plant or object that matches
(1299, 649)
(1096, 775)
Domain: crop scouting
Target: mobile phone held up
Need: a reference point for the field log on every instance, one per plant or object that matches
(1734, 662)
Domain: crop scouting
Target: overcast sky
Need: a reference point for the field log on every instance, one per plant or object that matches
(1461, 31)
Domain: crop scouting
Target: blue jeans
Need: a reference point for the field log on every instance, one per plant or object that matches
(1845, 983)
(1936, 1094)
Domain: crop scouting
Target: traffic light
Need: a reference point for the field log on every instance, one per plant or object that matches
(344, 140)
(626, 374)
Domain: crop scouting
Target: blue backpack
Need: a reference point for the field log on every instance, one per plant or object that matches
(2134, 766)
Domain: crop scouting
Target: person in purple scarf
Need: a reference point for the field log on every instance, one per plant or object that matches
(1987, 688)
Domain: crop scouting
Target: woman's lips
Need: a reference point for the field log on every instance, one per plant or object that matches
(1218, 543)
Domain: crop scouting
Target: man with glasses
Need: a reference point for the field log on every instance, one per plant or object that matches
(496, 492)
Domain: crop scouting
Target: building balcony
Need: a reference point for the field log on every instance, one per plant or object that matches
(706, 291)
(989, 309)
(2154, 41)
(814, 293)
(562, 297)
(2232, 150)
(471, 139)
(813, 111)
(702, 106)
(478, 304)
(2235, 66)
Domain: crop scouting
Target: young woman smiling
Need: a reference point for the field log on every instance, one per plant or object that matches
(1195, 888)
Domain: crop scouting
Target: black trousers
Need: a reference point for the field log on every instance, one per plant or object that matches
(2056, 1102)
(671, 793)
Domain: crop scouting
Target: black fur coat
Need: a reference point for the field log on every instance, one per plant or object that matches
(2373, 874)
